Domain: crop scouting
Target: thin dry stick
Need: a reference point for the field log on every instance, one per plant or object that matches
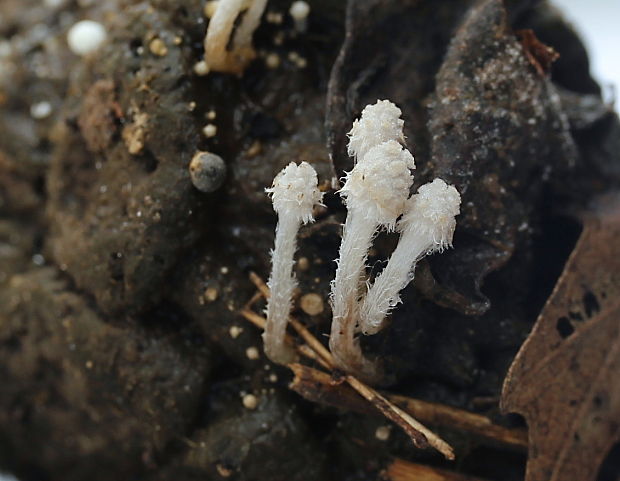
(260, 284)
(318, 386)
(253, 300)
(401, 470)
(302, 349)
(481, 426)
(419, 434)
(306, 335)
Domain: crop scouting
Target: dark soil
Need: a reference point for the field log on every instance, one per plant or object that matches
(122, 354)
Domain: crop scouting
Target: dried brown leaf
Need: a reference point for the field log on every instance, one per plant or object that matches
(565, 378)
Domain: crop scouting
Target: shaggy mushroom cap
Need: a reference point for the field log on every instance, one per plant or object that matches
(295, 191)
(378, 185)
(427, 226)
(431, 213)
(379, 123)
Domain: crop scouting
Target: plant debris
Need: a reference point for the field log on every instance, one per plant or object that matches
(420, 435)
(564, 379)
(122, 352)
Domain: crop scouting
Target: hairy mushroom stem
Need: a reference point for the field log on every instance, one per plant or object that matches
(426, 227)
(357, 238)
(375, 192)
(281, 286)
(294, 194)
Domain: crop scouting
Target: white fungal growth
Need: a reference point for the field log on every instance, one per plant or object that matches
(299, 11)
(379, 122)
(431, 214)
(85, 37)
(375, 193)
(378, 185)
(294, 194)
(426, 227)
(222, 54)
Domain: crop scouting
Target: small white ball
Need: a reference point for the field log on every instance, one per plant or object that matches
(53, 3)
(86, 36)
(250, 401)
(40, 110)
(299, 10)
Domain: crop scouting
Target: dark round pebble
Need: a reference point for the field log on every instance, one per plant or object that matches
(207, 171)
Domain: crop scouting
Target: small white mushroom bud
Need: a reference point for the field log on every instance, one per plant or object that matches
(86, 36)
(294, 194)
(299, 11)
(427, 226)
(379, 122)
(375, 193)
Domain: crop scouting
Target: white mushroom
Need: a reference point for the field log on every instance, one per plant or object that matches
(426, 227)
(299, 11)
(294, 194)
(375, 193)
(379, 122)
(222, 54)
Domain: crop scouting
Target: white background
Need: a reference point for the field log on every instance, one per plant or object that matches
(598, 23)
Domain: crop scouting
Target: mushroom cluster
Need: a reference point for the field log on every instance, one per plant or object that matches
(376, 194)
(294, 193)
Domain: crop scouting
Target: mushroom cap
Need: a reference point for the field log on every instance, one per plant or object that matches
(379, 123)
(295, 191)
(299, 10)
(378, 185)
(432, 212)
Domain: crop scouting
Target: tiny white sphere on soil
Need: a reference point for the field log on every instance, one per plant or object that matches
(201, 68)
(85, 37)
(250, 401)
(40, 110)
(207, 171)
(383, 433)
(53, 3)
(299, 10)
(209, 131)
(252, 353)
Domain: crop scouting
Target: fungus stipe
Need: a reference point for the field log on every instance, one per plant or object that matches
(426, 227)
(294, 194)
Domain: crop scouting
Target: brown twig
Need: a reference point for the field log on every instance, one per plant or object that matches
(302, 349)
(477, 424)
(260, 284)
(253, 300)
(318, 386)
(419, 434)
(401, 470)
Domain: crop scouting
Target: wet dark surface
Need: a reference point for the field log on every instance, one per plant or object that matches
(122, 353)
